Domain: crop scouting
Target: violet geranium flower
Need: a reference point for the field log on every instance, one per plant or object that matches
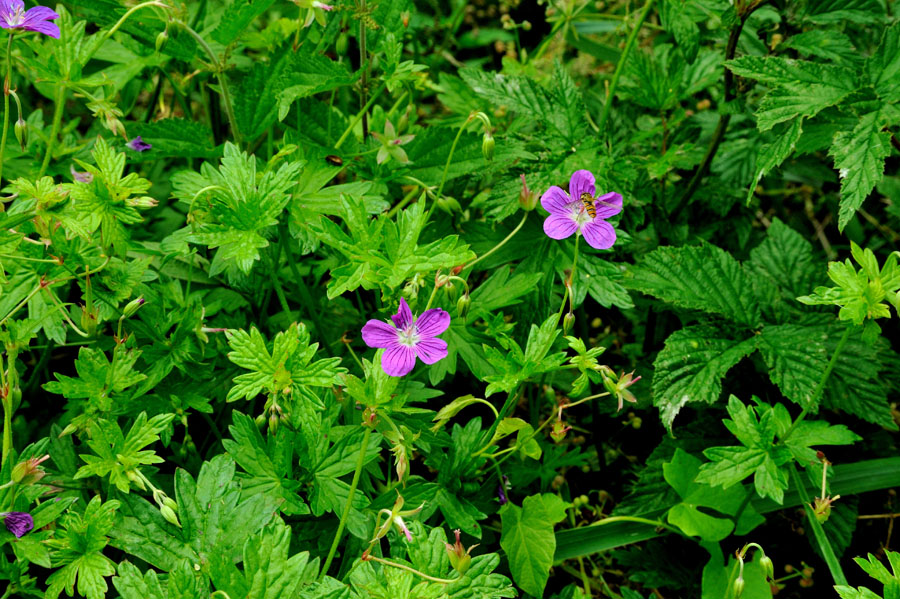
(579, 211)
(17, 523)
(14, 16)
(137, 144)
(408, 338)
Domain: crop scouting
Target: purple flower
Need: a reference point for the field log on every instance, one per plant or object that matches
(571, 212)
(407, 338)
(14, 16)
(81, 177)
(137, 144)
(17, 523)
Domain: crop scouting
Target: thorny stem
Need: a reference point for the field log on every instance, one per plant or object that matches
(499, 245)
(408, 569)
(632, 38)
(6, 84)
(834, 566)
(724, 118)
(220, 75)
(360, 462)
(817, 392)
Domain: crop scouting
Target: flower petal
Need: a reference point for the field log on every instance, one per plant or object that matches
(10, 7)
(599, 234)
(581, 182)
(608, 205)
(432, 322)
(38, 19)
(555, 200)
(431, 350)
(18, 523)
(398, 360)
(403, 318)
(560, 226)
(379, 334)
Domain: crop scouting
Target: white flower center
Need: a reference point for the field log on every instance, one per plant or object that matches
(579, 214)
(17, 18)
(408, 336)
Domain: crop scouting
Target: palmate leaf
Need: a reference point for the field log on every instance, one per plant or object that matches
(702, 277)
(691, 367)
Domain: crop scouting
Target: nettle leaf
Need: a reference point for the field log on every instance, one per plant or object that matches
(824, 12)
(305, 74)
(79, 558)
(785, 259)
(676, 20)
(529, 542)
(242, 205)
(117, 455)
(174, 138)
(235, 19)
(859, 157)
(702, 277)
(771, 155)
(288, 368)
(560, 108)
(691, 366)
(824, 43)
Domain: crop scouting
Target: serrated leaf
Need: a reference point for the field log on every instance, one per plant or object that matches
(859, 157)
(691, 366)
(771, 155)
(236, 18)
(701, 277)
(786, 259)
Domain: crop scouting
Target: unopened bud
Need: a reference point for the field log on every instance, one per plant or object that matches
(765, 562)
(142, 202)
(487, 146)
(170, 503)
(568, 322)
(274, 420)
(132, 307)
(170, 515)
(340, 46)
(21, 131)
(559, 430)
(161, 39)
(404, 16)
(527, 199)
(260, 420)
(462, 305)
(89, 321)
(29, 471)
(738, 587)
(449, 205)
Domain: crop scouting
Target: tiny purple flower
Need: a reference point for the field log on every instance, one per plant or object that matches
(81, 177)
(571, 212)
(137, 144)
(14, 16)
(17, 523)
(407, 338)
(501, 490)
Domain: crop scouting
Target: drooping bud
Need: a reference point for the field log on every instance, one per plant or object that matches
(21, 131)
(132, 307)
(260, 420)
(568, 322)
(170, 515)
(738, 587)
(765, 562)
(462, 305)
(527, 199)
(161, 39)
(342, 43)
(274, 420)
(487, 145)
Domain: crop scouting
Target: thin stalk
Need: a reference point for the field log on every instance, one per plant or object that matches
(387, 562)
(501, 244)
(831, 560)
(220, 75)
(358, 116)
(629, 45)
(402, 203)
(54, 128)
(360, 462)
(364, 78)
(7, 419)
(657, 523)
(450, 155)
(820, 386)
(273, 268)
(6, 84)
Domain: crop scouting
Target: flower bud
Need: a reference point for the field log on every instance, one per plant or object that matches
(170, 503)
(161, 39)
(487, 146)
(274, 420)
(340, 46)
(449, 205)
(404, 16)
(527, 199)
(132, 307)
(21, 131)
(568, 322)
(260, 420)
(462, 305)
(765, 562)
(142, 202)
(559, 430)
(89, 321)
(738, 587)
(459, 556)
(29, 471)
(170, 515)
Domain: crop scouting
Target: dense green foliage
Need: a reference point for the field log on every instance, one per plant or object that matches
(294, 299)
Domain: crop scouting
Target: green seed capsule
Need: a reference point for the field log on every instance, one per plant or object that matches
(170, 515)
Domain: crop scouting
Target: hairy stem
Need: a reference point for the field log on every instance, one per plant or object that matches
(59, 103)
(629, 45)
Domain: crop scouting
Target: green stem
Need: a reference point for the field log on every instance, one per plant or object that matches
(834, 566)
(223, 80)
(402, 203)
(360, 462)
(273, 269)
(632, 38)
(450, 156)
(820, 386)
(358, 116)
(657, 523)
(6, 84)
(501, 244)
(54, 128)
(408, 569)
(364, 77)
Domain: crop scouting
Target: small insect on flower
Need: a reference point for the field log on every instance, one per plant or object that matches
(14, 16)
(581, 212)
(588, 202)
(409, 337)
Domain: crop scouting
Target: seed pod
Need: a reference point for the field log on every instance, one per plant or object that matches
(341, 45)
(273, 423)
(170, 503)
(161, 39)
(568, 322)
(21, 131)
(170, 515)
(738, 587)
(487, 146)
(462, 305)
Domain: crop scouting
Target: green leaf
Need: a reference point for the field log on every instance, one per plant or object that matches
(235, 19)
(307, 73)
(825, 43)
(823, 12)
(785, 259)
(700, 277)
(771, 155)
(691, 366)
(674, 17)
(884, 65)
(859, 157)
(528, 541)
(172, 138)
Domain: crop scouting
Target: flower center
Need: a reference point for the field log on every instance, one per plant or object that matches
(16, 18)
(579, 214)
(408, 336)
